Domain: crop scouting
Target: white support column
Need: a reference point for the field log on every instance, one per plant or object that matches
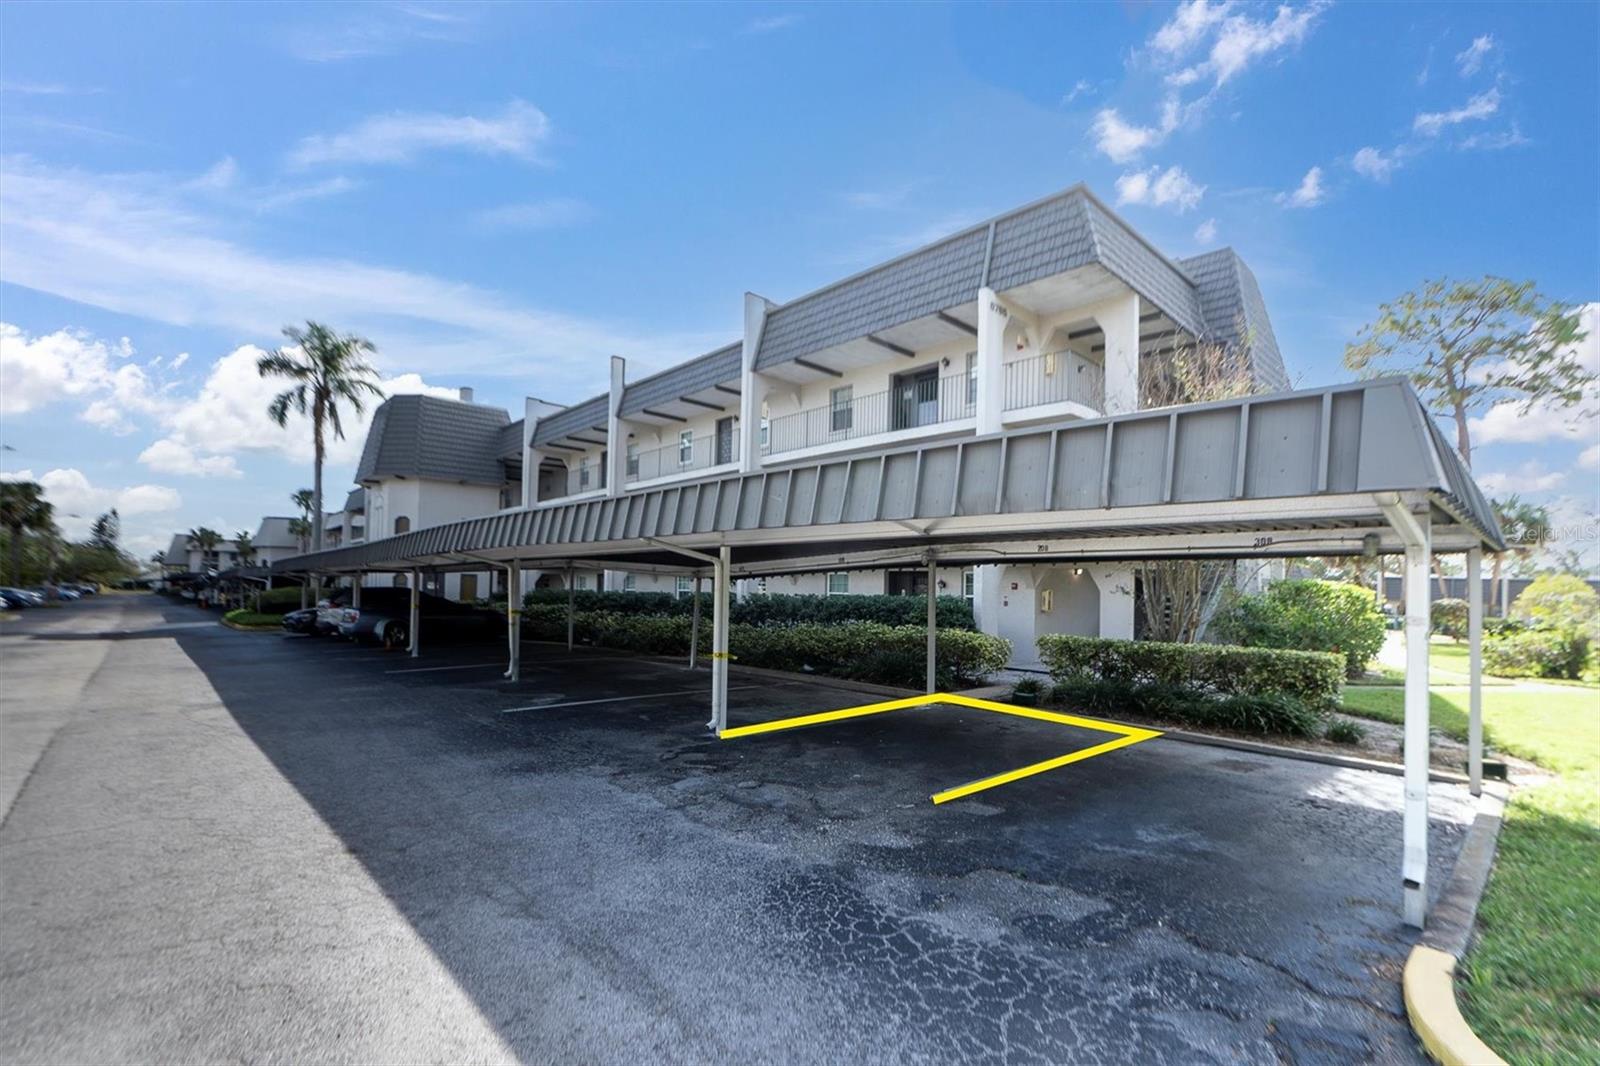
(1475, 669)
(694, 623)
(719, 641)
(415, 620)
(933, 628)
(355, 590)
(1414, 864)
(1119, 320)
(514, 619)
(616, 432)
(571, 621)
(750, 398)
(991, 399)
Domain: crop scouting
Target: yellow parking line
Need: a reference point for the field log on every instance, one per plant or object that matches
(1126, 734)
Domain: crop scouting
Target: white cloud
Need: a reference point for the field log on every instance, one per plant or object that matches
(1237, 40)
(221, 175)
(1481, 106)
(1495, 140)
(1206, 232)
(1121, 141)
(379, 29)
(1508, 423)
(36, 371)
(169, 456)
(1188, 26)
(538, 214)
(1079, 88)
(1160, 188)
(178, 360)
(1589, 458)
(1531, 476)
(1371, 163)
(124, 243)
(78, 502)
(1309, 193)
(1470, 59)
(400, 137)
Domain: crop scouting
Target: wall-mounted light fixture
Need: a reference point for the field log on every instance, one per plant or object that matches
(1077, 571)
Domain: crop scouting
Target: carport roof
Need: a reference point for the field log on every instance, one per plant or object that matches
(1296, 473)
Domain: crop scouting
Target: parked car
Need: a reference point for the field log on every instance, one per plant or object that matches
(328, 608)
(384, 617)
(18, 598)
(87, 589)
(67, 592)
(303, 621)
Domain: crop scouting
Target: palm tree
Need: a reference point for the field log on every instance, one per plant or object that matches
(23, 509)
(300, 529)
(245, 546)
(325, 368)
(302, 499)
(206, 540)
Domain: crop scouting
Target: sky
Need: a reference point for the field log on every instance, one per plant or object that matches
(503, 196)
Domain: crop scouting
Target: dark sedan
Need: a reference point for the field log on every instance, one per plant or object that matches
(384, 618)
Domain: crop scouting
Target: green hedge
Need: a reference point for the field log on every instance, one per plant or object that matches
(1558, 653)
(1307, 615)
(1262, 713)
(1314, 678)
(243, 617)
(278, 601)
(953, 612)
(1449, 617)
(860, 651)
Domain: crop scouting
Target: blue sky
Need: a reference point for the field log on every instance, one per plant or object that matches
(503, 196)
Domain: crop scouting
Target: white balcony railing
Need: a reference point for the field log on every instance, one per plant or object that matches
(685, 455)
(908, 405)
(1054, 377)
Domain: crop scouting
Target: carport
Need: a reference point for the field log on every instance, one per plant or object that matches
(1355, 469)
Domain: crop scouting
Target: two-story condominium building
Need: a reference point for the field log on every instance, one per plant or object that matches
(272, 541)
(1045, 313)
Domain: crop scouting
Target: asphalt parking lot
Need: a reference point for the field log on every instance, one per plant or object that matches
(243, 846)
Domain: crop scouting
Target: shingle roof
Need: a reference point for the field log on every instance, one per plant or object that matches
(1236, 314)
(356, 501)
(511, 442)
(1054, 235)
(430, 437)
(274, 533)
(696, 375)
(584, 416)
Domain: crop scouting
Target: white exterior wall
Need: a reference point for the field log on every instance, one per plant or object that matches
(650, 436)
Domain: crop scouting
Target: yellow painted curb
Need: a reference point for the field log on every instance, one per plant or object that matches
(1430, 991)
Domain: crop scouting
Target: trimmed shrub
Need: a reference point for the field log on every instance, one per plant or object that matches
(861, 651)
(1307, 615)
(276, 601)
(1559, 653)
(1560, 601)
(1265, 713)
(953, 612)
(1449, 618)
(1344, 731)
(244, 617)
(1314, 678)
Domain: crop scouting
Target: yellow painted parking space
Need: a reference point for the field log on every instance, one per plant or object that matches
(1126, 735)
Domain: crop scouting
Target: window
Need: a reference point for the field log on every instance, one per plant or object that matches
(972, 378)
(758, 586)
(969, 583)
(582, 582)
(402, 524)
(633, 459)
(839, 583)
(583, 473)
(839, 408)
(685, 447)
(766, 424)
(630, 583)
(685, 586)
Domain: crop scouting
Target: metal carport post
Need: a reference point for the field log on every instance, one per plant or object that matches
(933, 628)
(416, 613)
(514, 618)
(1416, 532)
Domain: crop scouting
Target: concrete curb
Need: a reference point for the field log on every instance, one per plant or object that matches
(1429, 980)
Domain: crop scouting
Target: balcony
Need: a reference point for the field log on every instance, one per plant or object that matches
(1054, 377)
(909, 404)
(684, 456)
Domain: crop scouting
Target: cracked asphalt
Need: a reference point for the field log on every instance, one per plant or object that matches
(221, 846)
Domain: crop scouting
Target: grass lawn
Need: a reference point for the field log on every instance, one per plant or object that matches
(1531, 985)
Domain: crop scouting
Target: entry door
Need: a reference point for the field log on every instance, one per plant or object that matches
(725, 440)
(916, 398)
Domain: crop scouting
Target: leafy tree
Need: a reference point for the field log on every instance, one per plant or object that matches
(1469, 344)
(326, 368)
(1560, 601)
(23, 511)
(246, 547)
(1523, 524)
(206, 540)
(1307, 615)
(106, 531)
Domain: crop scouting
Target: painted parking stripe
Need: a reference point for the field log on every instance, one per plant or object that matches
(618, 699)
(1125, 735)
(434, 669)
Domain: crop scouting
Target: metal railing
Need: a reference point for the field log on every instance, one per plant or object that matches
(1054, 377)
(908, 405)
(682, 456)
